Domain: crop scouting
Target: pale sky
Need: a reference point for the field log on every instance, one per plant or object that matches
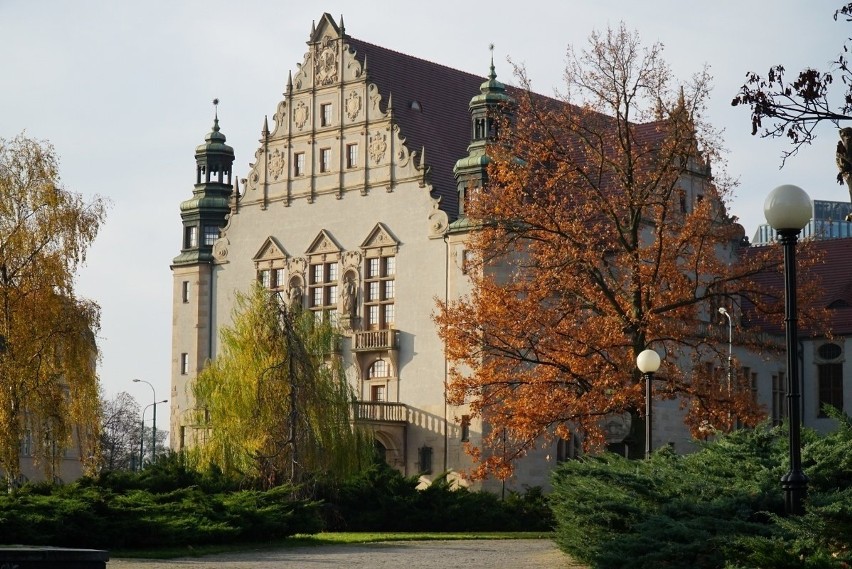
(123, 90)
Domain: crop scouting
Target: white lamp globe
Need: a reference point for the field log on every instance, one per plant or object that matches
(648, 361)
(788, 207)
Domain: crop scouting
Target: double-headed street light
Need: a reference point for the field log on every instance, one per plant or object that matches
(154, 428)
(788, 209)
(648, 362)
(142, 433)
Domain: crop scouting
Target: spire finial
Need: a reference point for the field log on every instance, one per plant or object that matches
(216, 114)
(493, 74)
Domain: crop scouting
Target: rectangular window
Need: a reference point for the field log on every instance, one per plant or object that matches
(325, 159)
(352, 155)
(830, 387)
(184, 291)
(425, 455)
(465, 428)
(377, 393)
(323, 289)
(265, 278)
(278, 278)
(299, 164)
(380, 291)
(184, 364)
(211, 234)
(190, 238)
(27, 443)
(325, 114)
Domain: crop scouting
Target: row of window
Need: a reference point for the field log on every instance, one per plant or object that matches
(324, 160)
(324, 289)
(829, 391)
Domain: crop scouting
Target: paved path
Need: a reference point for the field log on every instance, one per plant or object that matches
(473, 554)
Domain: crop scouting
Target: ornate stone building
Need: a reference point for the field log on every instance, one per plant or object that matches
(353, 208)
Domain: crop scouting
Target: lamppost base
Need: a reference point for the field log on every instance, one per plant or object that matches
(795, 487)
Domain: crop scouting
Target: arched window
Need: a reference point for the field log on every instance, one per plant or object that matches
(380, 368)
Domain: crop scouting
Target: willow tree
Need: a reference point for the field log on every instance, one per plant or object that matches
(276, 402)
(600, 232)
(48, 352)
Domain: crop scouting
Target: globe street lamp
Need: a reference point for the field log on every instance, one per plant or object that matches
(788, 209)
(648, 362)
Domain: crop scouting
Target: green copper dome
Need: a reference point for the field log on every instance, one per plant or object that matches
(214, 142)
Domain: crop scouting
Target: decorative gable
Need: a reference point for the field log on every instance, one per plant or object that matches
(381, 238)
(323, 244)
(269, 251)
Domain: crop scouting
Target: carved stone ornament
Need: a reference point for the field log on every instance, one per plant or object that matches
(378, 146)
(353, 105)
(351, 260)
(296, 265)
(617, 427)
(220, 249)
(300, 115)
(326, 62)
(276, 164)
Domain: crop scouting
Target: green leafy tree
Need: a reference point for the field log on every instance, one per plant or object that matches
(276, 401)
(48, 378)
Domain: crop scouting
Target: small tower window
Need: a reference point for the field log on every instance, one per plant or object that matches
(211, 234)
(184, 293)
(190, 238)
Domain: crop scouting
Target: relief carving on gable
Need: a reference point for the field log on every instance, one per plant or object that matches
(378, 146)
(353, 105)
(325, 61)
(438, 220)
(300, 115)
(277, 162)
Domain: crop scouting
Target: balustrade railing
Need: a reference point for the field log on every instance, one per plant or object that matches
(380, 411)
(375, 340)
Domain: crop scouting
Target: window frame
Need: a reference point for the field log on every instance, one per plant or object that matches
(352, 155)
(325, 160)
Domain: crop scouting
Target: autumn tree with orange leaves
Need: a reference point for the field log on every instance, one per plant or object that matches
(600, 232)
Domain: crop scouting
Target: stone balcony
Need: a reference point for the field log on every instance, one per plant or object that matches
(375, 340)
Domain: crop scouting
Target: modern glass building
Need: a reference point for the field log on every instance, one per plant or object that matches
(828, 222)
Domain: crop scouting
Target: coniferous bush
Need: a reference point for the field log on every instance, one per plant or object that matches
(720, 507)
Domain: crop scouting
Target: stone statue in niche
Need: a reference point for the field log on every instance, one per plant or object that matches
(295, 295)
(348, 296)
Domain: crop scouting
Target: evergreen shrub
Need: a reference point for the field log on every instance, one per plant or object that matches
(720, 507)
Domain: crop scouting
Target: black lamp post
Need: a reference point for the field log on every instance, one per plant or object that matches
(648, 362)
(788, 209)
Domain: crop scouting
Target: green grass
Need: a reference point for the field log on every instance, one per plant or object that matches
(325, 538)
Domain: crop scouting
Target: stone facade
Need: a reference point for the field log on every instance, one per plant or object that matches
(351, 209)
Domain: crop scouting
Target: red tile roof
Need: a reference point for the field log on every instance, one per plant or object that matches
(442, 124)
